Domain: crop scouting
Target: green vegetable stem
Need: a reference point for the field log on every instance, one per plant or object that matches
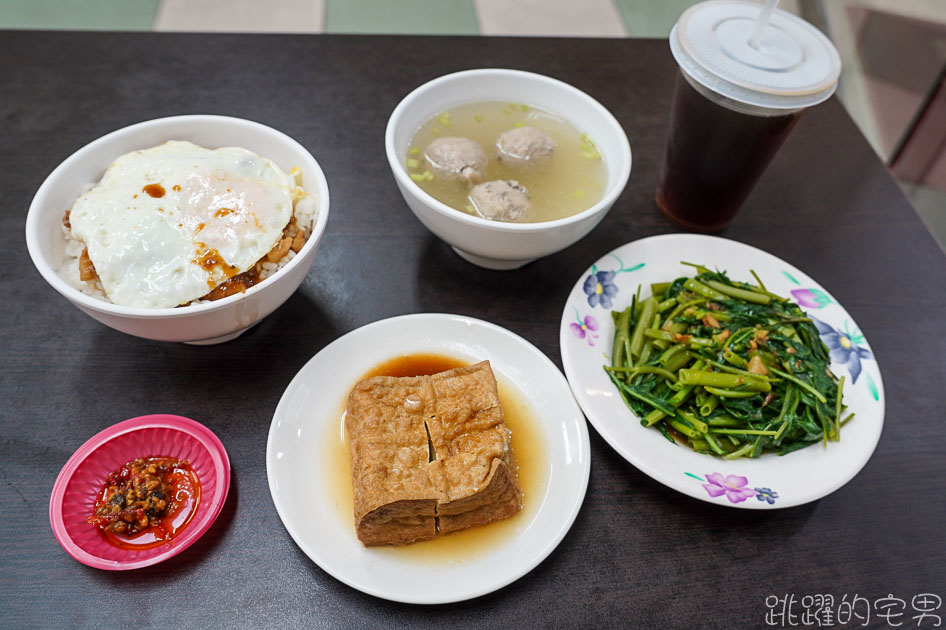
(726, 368)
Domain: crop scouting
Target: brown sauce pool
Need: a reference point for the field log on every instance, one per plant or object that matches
(527, 444)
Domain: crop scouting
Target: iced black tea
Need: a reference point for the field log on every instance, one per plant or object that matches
(713, 158)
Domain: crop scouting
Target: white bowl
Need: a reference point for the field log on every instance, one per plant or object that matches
(213, 322)
(494, 244)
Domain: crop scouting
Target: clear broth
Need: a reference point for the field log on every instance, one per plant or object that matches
(527, 444)
(574, 180)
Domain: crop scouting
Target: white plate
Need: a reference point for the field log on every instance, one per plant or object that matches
(309, 416)
(770, 481)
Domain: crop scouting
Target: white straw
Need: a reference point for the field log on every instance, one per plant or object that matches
(761, 21)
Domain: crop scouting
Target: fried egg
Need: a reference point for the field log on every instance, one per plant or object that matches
(166, 225)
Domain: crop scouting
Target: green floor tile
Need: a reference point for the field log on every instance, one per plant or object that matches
(103, 15)
(413, 17)
(650, 18)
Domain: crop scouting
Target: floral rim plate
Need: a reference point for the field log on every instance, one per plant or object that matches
(309, 493)
(770, 481)
(80, 481)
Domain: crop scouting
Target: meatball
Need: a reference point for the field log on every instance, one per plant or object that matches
(501, 201)
(525, 147)
(460, 159)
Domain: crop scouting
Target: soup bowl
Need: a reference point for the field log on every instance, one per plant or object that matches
(496, 244)
(201, 323)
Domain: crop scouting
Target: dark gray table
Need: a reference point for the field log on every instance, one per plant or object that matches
(639, 554)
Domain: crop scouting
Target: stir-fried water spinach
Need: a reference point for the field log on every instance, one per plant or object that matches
(727, 368)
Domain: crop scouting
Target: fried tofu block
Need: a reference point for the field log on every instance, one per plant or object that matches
(469, 436)
(396, 486)
(429, 454)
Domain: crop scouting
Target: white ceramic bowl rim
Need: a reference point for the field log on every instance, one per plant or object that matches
(52, 277)
(610, 195)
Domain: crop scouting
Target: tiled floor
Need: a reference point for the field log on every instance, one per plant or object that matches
(576, 18)
(882, 90)
(930, 204)
(590, 18)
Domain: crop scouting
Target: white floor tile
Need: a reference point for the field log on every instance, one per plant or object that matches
(852, 90)
(584, 18)
(241, 16)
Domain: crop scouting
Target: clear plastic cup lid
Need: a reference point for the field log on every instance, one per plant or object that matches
(793, 66)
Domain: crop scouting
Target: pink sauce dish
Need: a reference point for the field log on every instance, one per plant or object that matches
(81, 481)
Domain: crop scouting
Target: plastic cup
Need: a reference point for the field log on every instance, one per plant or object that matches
(734, 104)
